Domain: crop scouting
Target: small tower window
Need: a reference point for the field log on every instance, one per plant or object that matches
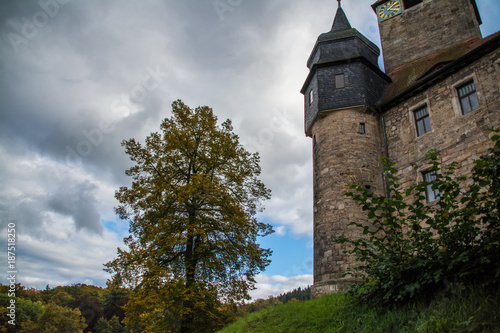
(311, 97)
(430, 193)
(468, 97)
(339, 81)
(362, 128)
(411, 3)
(422, 120)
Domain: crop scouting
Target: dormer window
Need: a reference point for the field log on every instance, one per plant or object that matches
(339, 81)
(311, 96)
(435, 68)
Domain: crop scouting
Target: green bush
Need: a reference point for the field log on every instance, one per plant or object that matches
(411, 248)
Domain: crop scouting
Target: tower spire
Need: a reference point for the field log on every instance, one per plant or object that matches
(340, 22)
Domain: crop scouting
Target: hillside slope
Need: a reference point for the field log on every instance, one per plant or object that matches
(473, 311)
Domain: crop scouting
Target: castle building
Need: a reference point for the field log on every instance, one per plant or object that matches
(440, 90)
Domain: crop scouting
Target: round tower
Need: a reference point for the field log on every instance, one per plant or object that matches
(341, 91)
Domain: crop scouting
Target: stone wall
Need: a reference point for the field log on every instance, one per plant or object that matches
(341, 156)
(460, 138)
(439, 23)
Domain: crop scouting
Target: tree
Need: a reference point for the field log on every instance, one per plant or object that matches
(62, 298)
(114, 300)
(91, 310)
(192, 207)
(55, 318)
(108, 326)
(26, 310)
(414, 249)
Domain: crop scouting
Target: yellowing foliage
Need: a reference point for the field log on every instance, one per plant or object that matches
(191, 207)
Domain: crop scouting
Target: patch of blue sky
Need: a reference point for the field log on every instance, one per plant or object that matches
(292, 255)
(118, 227)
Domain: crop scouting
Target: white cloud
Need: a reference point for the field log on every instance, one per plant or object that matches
(69, 257)
(276, 284)
(60, 240)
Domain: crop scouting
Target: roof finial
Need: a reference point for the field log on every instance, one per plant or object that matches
(339, 3)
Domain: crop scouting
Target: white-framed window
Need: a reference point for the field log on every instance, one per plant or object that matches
(422, 120)
(311, 96)
(467, 97)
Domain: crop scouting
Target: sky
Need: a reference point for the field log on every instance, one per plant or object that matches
(78, 77)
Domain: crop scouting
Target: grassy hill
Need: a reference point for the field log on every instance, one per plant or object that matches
(470, 311)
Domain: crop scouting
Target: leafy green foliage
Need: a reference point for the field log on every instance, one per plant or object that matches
(25, 310)
(114, 301)
(108, 326)
(62, 298)
(413, 248)
(191, 207)
(55, 318)
(88, 301)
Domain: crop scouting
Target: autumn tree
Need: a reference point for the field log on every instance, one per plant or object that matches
(192, 207)
(55, 318)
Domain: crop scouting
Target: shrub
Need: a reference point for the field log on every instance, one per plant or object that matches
(412, 248)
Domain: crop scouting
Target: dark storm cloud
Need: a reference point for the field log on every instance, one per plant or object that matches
(30, 201)
(25, 208)
(79, 203)
(62, 85)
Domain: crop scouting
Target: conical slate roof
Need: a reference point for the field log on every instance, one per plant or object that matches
(340, 22)
(342, 42)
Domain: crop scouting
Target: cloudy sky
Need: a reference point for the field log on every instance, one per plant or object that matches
(77, 77)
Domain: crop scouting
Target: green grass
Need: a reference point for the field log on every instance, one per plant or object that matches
(473, 311)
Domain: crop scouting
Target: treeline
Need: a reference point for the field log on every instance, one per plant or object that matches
(90, 309)
(296, 295)
(76, 308)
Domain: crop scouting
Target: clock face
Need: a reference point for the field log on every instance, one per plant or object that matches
(389, 9)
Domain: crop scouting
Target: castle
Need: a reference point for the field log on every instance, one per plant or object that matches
(440, 90)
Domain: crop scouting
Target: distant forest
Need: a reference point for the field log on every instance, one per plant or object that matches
(87, 308)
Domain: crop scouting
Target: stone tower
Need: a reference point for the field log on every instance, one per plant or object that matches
(341, 92)
(412, 29)
(440, 90)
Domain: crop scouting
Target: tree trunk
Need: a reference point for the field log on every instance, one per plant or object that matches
(190, 263)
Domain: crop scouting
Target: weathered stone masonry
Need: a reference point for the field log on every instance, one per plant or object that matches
(431, 48)
(460, 138)
(427, 28)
